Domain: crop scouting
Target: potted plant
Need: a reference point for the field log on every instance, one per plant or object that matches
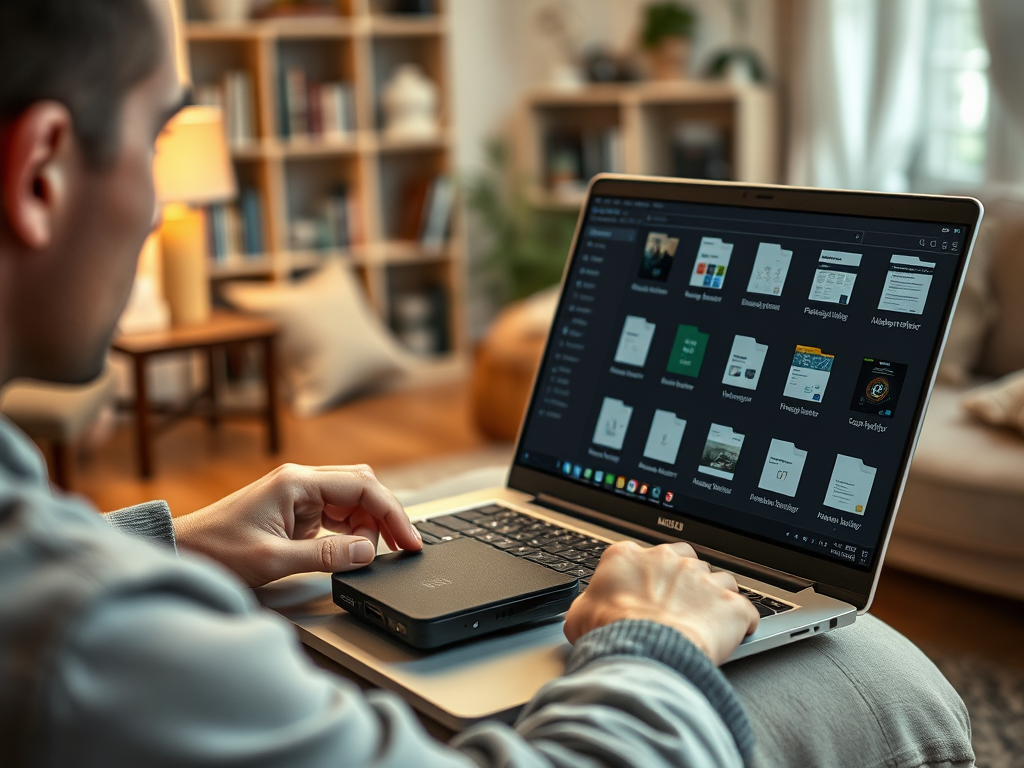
(668, 27)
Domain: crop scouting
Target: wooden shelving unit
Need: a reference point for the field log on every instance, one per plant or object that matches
(644, 118)
(360, 46)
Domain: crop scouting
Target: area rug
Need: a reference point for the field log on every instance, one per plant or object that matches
(994, 695)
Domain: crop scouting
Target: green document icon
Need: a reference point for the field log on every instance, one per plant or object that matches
(688, 351)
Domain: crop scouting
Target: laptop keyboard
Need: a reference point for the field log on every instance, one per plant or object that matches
(544, 543)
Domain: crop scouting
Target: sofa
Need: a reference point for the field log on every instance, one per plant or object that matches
(961, 518)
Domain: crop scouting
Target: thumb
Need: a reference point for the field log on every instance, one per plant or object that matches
(326, 554)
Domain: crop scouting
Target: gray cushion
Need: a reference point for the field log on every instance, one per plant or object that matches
(58, 412)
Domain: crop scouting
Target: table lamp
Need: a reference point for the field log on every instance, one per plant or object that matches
(192, 169)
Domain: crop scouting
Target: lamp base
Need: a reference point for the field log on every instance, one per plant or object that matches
(185, 262)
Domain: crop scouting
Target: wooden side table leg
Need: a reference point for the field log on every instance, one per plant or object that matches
(143, 438)
(62, 457)
(211, 387)
(270, 374)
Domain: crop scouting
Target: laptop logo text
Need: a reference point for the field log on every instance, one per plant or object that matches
(436, 583)
(665, 522)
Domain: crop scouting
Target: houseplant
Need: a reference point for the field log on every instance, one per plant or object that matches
(668, 27)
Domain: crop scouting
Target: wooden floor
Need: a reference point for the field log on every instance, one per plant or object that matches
(196, 466)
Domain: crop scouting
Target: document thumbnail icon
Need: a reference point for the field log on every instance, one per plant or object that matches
(634, 341)
(878, 387)
(659, 253)
(850, 486)
(808, 375)
(745, 363)
(612, 423)
(771, 265)
(782, 468)
(688, 351)
(712, 263)
(721, 452)
(665, 436)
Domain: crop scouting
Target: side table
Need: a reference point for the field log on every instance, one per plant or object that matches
(223, 328)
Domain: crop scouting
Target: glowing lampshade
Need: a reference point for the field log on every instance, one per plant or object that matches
(192, 168)
(193, 164)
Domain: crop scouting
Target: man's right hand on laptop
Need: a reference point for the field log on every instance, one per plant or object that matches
(666, 584)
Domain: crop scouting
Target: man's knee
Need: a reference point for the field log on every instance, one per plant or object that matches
(863, 695)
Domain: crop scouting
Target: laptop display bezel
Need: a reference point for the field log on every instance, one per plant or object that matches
(833, 578)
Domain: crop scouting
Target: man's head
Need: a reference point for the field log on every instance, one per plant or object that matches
(85, 88)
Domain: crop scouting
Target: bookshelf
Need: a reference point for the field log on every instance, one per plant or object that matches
(333, 187)
(686, 128)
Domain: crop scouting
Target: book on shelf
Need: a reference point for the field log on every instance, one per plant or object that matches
(314, 109)
(425, 210)
(335, 229)
(573, 158)
(438, 212)
(236, 231)
(234, 94)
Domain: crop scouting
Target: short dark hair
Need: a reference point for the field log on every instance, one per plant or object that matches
(86, 54)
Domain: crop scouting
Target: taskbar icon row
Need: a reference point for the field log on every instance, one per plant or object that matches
(612, 482)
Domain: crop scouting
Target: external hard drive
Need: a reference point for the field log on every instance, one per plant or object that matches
(452, 591)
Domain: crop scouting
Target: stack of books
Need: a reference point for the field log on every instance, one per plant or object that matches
(236, 231)
(234, 95)
(336, 228)
(316, 110)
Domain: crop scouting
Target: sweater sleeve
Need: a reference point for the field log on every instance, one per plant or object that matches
(151, 520)
(212, 679)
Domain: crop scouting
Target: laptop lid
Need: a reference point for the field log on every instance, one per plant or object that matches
(746, 368)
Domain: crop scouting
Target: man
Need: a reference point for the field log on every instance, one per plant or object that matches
(115, 650)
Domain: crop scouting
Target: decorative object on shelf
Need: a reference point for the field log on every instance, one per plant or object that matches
(603, 66)
(331, 345)
(668, 27)
(560, 23)
(528, 247)
(410, 103)
(192, 168)
(228, 11)
(420, 320)
(739, 63)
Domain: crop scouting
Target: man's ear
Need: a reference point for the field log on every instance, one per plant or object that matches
(35, 171)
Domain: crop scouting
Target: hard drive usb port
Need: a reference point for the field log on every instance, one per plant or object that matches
(374, 612)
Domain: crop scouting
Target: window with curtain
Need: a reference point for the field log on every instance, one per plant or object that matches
(956, 99)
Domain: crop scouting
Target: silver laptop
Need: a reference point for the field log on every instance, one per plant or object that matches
(745, 368)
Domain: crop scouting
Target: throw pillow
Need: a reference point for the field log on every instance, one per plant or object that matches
(331, 344)
(999, 403)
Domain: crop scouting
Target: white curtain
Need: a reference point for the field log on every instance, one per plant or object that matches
(1002, 22)
(857, 92)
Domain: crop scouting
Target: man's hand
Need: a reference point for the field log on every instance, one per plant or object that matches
(669, 585)
(268, 529)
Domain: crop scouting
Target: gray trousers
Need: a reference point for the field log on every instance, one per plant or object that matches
(859, 697)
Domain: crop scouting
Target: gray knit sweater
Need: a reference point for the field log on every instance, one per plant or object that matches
(115, 651)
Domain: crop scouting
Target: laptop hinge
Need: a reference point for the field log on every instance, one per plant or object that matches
(717, 558)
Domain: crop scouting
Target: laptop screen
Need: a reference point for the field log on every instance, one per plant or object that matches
(759, 370)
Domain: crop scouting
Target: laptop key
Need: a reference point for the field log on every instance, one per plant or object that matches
(506, 529)
(453, 522)
(503, 543)
(427, 526)
(545, 558)
(573, 555)
(571, 569)
(492, 538)
(429, 538)
(521, 551)
(590, 562)
(763, 609)
(775, 605)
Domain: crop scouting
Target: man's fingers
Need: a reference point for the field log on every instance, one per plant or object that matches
(326, 554)
(349, 487)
